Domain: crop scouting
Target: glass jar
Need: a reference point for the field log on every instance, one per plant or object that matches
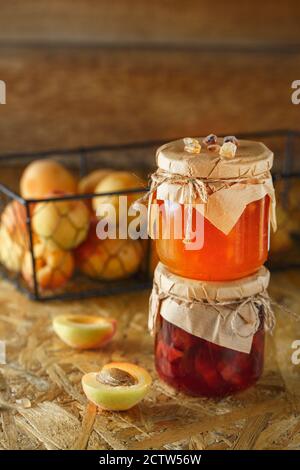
(226, 203)
(198, 367)
(222, 257)
(209, 336)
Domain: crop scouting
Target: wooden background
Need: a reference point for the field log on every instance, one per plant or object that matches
(83, 72)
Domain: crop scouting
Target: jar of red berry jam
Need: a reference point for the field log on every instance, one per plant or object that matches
(209, 336)
(210, 209)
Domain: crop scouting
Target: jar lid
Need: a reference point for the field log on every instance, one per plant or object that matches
(195, 290)
(224, 313)
(251, 159)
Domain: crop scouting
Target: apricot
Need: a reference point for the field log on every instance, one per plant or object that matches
(84, 331)
(109, 259)
(88, 183)
(118, 181)
(61, 224)
(54, 267)
(117, 387)
(288, 217)
(13, 218)
(44, 176)
(11, 252)
(281, 240)
(14, 236)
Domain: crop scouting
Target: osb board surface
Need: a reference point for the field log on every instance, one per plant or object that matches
(43, 406)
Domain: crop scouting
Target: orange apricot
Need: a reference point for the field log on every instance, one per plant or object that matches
(54, 267)
(44, 176)
(109, 259)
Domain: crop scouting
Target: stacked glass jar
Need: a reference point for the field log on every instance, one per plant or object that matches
(210, 206)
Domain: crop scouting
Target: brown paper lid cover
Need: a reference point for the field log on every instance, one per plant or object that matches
(251, 159)
(191, 289)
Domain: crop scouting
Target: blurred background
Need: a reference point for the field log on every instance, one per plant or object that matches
(84, 72)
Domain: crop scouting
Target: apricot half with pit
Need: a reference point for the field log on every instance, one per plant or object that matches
(84, 331)
(117, 387)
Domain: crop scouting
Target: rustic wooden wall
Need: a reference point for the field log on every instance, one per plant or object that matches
(85, 71)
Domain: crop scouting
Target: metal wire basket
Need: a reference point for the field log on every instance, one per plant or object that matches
(140, 157)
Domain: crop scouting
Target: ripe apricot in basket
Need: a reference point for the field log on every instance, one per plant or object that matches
(42, 177)
(288, 218)
(84, 331)
(109, 259)
(11, 252)
(61, 224)
(117, 387)
(117, 181)
(13, 218)
(14, 236)
(54, 267)
(88, 183)
(281, 240)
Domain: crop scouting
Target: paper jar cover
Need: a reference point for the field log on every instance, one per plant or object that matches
(227, 314)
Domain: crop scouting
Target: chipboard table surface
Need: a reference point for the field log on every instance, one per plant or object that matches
(42, 405)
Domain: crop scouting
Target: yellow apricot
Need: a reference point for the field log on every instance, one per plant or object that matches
(61, 224)
(114, 182)
(84, 331)
(117, 387)
(89, 182)
(11, 252)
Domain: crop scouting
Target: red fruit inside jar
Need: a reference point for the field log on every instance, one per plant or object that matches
(198, 367)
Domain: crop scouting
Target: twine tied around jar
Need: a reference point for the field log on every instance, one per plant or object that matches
(257, 301)
(195, 188)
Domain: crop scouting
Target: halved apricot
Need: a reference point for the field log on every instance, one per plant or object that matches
(84, 331)
(117, 387)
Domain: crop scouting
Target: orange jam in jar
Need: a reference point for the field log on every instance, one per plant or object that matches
(222, 256)
(212, 214)
(209, 336)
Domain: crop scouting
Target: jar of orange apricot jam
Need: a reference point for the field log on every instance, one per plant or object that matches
(210, 213)
(209, 336)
